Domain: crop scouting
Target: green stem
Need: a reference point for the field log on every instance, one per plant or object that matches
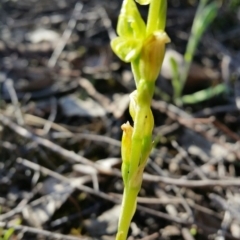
(128, 209)
(153, 16)
(157, 16)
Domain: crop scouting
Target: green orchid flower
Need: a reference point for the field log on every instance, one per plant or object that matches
(135, 41)
(131, 30)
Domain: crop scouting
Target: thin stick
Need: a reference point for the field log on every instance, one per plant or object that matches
(40, 232)
(14, 99)
(61, 178)
(66, 35)
(69, 155)
(105, 196)
(193, 183)
(52, 116)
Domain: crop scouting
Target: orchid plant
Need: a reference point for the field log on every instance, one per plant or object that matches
(143, 45)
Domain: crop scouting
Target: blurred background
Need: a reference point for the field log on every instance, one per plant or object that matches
(64, 96)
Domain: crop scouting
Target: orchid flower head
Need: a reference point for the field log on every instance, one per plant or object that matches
(136, 40)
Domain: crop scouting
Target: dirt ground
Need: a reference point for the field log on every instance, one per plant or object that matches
(65, 95)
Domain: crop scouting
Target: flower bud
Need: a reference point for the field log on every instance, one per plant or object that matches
(149, 123)
(152, 55)
(133, 104)
(126, 142)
